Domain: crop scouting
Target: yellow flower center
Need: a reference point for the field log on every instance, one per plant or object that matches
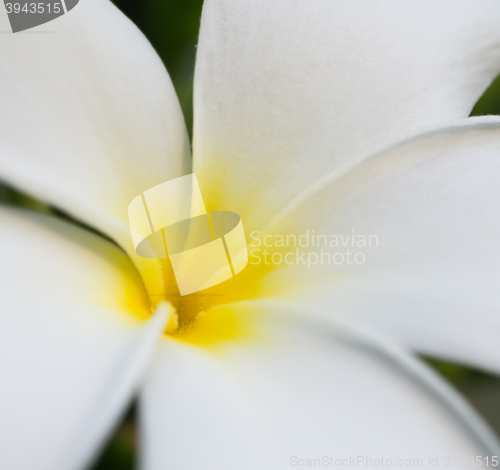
(204, 317)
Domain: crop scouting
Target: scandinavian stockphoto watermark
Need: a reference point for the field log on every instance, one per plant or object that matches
(25, 14)
(311, 248)
(206, 248)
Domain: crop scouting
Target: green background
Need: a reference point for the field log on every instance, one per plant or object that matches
(172, 27)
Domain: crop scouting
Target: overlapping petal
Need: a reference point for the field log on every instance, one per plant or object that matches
(88, 115)
(73, 347)
(431, 275)
(286, 91)
(300, 390)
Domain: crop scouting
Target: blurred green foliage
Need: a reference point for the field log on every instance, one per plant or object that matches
(120, 453)
(489, 102)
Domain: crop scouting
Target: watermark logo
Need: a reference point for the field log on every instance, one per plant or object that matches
(310, 248)
(24, 14)
(205, 248)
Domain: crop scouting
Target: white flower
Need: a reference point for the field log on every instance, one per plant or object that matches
(325, 115)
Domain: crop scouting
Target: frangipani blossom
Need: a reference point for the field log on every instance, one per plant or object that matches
(322, 115)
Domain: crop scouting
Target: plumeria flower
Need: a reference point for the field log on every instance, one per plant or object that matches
(332, 116)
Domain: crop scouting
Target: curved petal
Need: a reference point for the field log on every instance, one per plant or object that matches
(286, 91)
(72, 352)
(88, 116)
(430, 277)
(305, 389)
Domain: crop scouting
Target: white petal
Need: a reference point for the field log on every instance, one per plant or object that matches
(88, 116)
(305, 389)
(286, 91)
(72, 351)
(432, 281)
